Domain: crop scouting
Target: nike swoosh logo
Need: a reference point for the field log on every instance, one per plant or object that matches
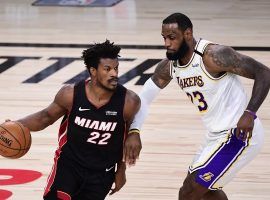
(109, 169)
(83, 109)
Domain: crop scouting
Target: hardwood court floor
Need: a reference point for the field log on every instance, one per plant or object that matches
(172, 132)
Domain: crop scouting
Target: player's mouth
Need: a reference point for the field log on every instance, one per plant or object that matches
(170, 51)
(113, 81)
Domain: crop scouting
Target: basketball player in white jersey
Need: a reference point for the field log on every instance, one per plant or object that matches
(208, 74)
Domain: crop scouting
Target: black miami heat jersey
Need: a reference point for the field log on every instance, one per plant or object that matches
(93, 137)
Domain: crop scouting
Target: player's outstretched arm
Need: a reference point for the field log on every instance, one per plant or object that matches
(225, 59)
(132, 146)
(159, 80)
(150, 90)
(61, 105)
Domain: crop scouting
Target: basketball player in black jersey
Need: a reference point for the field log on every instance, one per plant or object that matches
(96, 115)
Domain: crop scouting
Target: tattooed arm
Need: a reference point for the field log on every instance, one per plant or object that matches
(224, 59)
(220, 59)
(161, 76)
(150, 90)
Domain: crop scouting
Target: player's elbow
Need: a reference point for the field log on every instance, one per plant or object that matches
(263, 75)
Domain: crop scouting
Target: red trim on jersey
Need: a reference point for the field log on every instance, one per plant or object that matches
(63, 128)
(63, 196)
(62, 139)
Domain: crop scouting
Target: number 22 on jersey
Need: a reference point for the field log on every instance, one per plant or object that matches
(98, 138)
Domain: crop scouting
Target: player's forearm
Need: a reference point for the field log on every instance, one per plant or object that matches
(260, 89)
(37, 121)
(121, 166)
(148, 93)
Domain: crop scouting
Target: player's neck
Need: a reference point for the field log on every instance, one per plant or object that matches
(98, 95)
(187, 57)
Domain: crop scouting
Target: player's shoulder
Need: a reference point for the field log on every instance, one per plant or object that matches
(132, 99)
(64, 97)
(66, 92)
(217, 49)
(67, 89)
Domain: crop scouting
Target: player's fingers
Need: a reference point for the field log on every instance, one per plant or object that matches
(124, 155)
(127, 154)
(250, 134)
(245, 134)
(7, 120)
(112, 191)
(138, 152)
(135, 153)
(240, 134)
(237, 133)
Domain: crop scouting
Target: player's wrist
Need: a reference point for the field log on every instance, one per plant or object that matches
(134, 131)
(251, 113)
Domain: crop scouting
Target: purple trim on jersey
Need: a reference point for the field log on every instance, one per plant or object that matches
(220, 162)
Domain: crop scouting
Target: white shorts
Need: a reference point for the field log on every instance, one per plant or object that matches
(222, 156)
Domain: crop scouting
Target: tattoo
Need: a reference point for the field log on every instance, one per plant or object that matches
(229, 60)
(161, 76)
(226, 59)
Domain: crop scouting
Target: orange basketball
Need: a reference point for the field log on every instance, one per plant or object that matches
(15, 139)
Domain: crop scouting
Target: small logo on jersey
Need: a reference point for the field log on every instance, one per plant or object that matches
(109, 169)
(83, 109)
(111, 113)
(195, 65)
(207, 176)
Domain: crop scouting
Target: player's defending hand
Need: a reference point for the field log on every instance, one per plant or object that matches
(245, 126)
(132, 148)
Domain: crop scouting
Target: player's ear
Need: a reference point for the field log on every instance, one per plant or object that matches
(92, 71)
(188, 33)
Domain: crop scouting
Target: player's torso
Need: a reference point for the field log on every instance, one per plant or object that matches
(95, 135)
(210, 95)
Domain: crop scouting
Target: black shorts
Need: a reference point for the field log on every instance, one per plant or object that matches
(74, 182)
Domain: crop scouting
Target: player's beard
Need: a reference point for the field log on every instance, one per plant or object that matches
(180, 53)
(107, 88)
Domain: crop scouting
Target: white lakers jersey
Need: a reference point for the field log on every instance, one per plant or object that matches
(220, 101)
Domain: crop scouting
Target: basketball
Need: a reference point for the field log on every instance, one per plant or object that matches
(15, 140)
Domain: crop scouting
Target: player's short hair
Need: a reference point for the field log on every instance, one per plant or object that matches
(182, 20)
(92, 55)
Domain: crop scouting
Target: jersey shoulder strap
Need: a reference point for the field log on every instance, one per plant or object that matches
(201, 45)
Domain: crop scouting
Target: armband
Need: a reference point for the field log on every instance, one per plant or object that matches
(137, 131)
(252, 113)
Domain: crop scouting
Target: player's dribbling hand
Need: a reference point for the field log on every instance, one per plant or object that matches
(132, 148)
(245, 126)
